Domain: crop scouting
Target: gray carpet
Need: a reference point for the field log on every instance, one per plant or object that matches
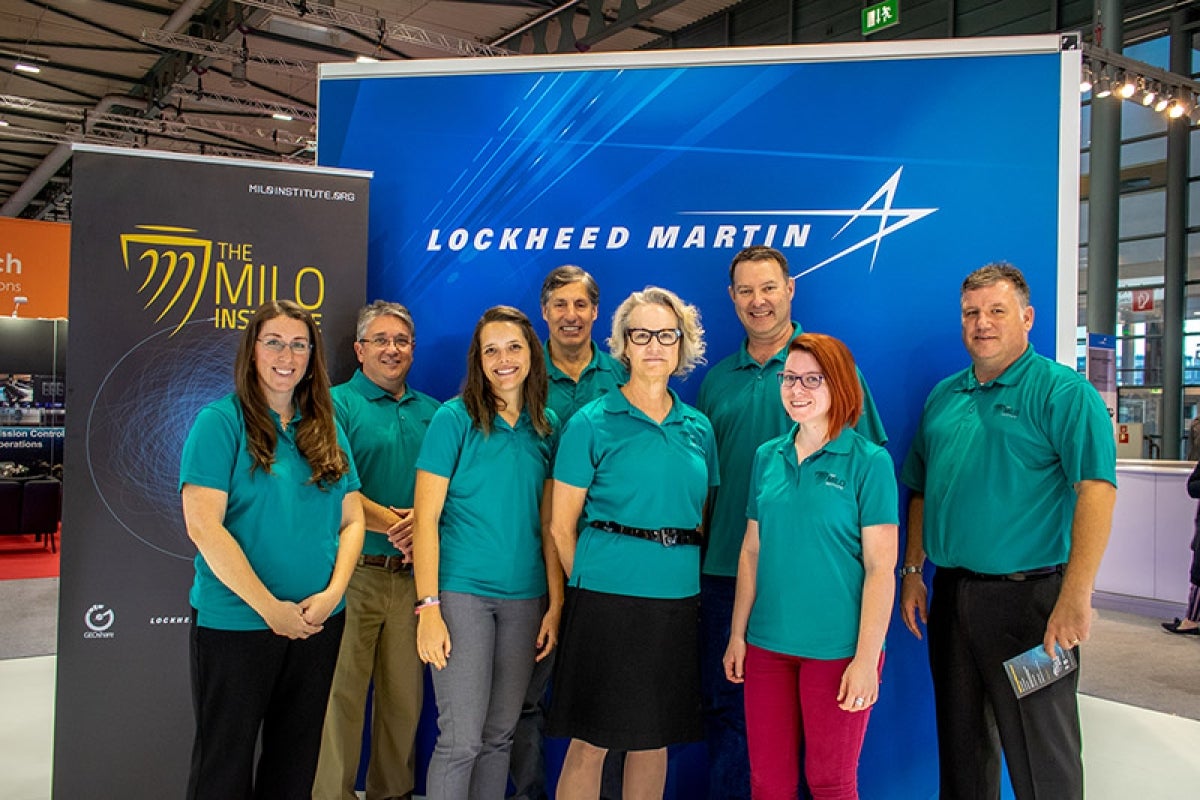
(28, 617)
(1129, 658)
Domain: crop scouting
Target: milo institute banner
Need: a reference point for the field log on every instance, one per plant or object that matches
(169, 258)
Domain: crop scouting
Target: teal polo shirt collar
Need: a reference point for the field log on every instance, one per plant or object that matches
(1011, 376)
(617, 403)
(373, 391)
(290, 430)
(787, 446)
(744, 361)
(557, 374)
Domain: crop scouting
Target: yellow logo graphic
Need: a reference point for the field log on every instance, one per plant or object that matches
(176, 267)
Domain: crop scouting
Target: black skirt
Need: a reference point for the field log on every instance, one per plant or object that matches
(628, 671)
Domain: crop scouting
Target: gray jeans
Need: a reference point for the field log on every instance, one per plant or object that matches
(479, 693)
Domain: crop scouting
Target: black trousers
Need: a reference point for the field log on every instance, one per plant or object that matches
(249, 682)
(974, 626)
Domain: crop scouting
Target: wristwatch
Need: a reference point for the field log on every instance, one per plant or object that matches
(910, 569)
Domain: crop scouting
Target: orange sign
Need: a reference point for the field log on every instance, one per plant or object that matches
(1122, 434)
(35, 260)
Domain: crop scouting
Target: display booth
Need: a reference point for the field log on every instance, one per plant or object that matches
(885, 172)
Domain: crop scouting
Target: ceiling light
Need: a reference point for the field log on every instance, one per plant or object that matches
(366, 60)
(1177, 110)
(30, 68)
(1103, 86)
(1085, 79)
(1128, 86)
(1148, 93)
(3, 123)
(1164, 100)
(282, 117)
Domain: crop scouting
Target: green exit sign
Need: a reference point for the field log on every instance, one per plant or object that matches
(879, 16)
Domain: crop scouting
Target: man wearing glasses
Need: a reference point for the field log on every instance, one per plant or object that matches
(385, 422)
(578, 373)
(740, 396)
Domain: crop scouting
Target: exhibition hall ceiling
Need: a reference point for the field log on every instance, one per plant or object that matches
(239, 77)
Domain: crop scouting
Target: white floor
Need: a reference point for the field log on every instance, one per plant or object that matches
(1128, 752)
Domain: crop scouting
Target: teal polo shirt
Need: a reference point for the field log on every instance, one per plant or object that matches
(385, 436)
(997, 463)
(602, 375)
(741, 399)
(808, 599)
(287, 526)
(640, 474)
(490, 530)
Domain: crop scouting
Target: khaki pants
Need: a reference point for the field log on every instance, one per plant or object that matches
(380, 642)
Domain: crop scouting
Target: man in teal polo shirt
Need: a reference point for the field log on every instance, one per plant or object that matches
(740, 396)
(578, 373)
(385, 421)
(1017, 457)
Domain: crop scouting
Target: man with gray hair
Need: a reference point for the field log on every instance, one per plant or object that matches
(1013, 473)
(385, 422)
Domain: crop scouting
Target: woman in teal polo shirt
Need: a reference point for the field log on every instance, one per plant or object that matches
(481, 556)
(635, 467)
(270, 498)
(815, 582)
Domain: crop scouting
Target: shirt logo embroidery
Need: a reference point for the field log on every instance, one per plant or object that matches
(1007, 411)
(829, 479)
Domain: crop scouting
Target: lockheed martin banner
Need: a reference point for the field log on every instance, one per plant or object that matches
(885, 172)
(170, 257)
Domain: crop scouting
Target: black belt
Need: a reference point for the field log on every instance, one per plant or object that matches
(1015, 577)
(667, 537)
(390, 563)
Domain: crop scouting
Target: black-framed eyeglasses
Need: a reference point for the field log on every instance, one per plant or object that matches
(666, 336)
(298, 346)
(382, 342)
(809, 380)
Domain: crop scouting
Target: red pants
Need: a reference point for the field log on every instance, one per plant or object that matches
(790, 702)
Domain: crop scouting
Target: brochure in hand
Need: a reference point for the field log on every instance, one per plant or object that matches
(1033, 669)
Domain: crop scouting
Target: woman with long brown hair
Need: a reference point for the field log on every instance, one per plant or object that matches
(487, 575)
(270, 498)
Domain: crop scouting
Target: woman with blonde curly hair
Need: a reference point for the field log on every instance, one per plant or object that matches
(631, 477)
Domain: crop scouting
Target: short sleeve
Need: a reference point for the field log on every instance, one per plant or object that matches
(1082, 433)
(574, 462)
(878, 498)
(912, 474)
(756, 472)
(443, 442)
(210, 450)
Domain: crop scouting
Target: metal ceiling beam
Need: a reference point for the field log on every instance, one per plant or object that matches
(214, 100)
(379, 27)
(599, 28)
(228, 52)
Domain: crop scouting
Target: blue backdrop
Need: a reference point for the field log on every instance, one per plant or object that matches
(885, 179)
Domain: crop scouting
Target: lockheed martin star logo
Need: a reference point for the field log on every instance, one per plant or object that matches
(880, 206)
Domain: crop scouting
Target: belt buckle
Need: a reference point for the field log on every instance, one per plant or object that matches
(668, 538)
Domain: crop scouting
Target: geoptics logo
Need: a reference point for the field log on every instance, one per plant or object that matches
(879, 207)
(177, 268)
(99, 619)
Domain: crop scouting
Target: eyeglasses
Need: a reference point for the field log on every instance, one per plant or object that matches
(809, 380)
(666, 337)
(381, 342)
(298, 346)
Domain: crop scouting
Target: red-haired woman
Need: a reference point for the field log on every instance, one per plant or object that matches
(815, 582)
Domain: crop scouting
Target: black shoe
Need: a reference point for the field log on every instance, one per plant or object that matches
(1173, 627)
